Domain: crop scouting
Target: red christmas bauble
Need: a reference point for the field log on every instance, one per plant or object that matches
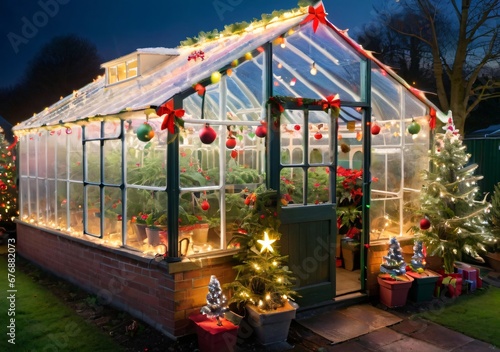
(207, 134)
(318, 135)
(205, 205)
(375, 129)
(296, 127)
(425, 224)
(231, 143)
(261, 131)
(234, 154)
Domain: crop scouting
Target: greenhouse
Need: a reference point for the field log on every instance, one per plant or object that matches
(134, 185)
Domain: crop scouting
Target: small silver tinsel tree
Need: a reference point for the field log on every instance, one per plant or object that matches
(417, 261)
(216, 301)
(394, 264)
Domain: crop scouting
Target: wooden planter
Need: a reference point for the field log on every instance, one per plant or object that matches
(394, 293)
(271, 327)
(214, 338)
(493, 260)
(423, 286)
(350, 255)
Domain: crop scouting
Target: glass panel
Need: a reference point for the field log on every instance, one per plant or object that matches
(42, 156)
(318, 185)
(23, 155)
(316, 65)
(291, 185)
(113, 216)
(292, 139)
(93, 154)
(139, 205)
(93, 210)
(42, 201)
(121, 71)
(25, 201)
(199, 223)
(52, 145)
(131, 68)
(62, 205)
(75, 200)
(112, 75)
(92, 130)
(413, 106)
(386, 96)
(113, 162)
(32, 155)
(52, 203)
(112, 129)
(199, 163)
(75, 157)
(386, 167)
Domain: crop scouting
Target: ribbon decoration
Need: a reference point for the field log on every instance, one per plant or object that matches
(332, 102)
(13, 143)
(172, 116)
(317, 15)
(432, 120)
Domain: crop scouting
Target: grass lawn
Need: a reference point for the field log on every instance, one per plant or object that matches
(476, 315)
(43, 322)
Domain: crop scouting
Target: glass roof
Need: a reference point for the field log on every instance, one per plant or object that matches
(336, 59)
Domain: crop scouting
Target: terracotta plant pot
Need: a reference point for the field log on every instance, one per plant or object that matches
(394, 293)
(423, 286)
(271, 327)
(212, 337)
(140, 232)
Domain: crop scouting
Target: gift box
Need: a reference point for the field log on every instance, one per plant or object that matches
(469, 286)
(468, 273)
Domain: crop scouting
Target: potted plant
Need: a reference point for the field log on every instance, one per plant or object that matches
(263, 283)
(156, 223)
(349, 215)
(394, 284)
(215, 333)
(425, 280)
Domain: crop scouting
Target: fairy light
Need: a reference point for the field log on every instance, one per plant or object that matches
(268, 297)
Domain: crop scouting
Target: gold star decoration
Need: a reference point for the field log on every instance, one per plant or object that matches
(266, 243)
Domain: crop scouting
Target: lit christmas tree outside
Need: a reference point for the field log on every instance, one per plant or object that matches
(8, 189)
(454, 218)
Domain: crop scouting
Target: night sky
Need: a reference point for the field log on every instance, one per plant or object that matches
(119, 27)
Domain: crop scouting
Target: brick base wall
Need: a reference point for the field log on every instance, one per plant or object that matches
(162, 295)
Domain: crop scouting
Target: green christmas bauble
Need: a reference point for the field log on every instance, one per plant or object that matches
(414, 128)
(145, 132)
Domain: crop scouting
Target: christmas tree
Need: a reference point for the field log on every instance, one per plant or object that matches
(494, 218)
(417, 262)
(8, 189)
(454, 216)
(262, 279)
(394, 263)
(216, 301)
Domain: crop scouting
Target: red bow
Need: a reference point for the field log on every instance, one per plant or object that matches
(316, 15)
(171, 116)
(331, 102)
(432, 121)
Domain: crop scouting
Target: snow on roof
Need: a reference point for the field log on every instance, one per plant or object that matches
(158, 51)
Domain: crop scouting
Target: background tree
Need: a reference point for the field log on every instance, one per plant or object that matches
(457, 40)
(64, 64)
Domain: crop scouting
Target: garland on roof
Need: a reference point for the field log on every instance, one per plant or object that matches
(240, 27)
(330, 104)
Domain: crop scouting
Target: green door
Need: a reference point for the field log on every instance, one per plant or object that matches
(308, 234)
(307, 168)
